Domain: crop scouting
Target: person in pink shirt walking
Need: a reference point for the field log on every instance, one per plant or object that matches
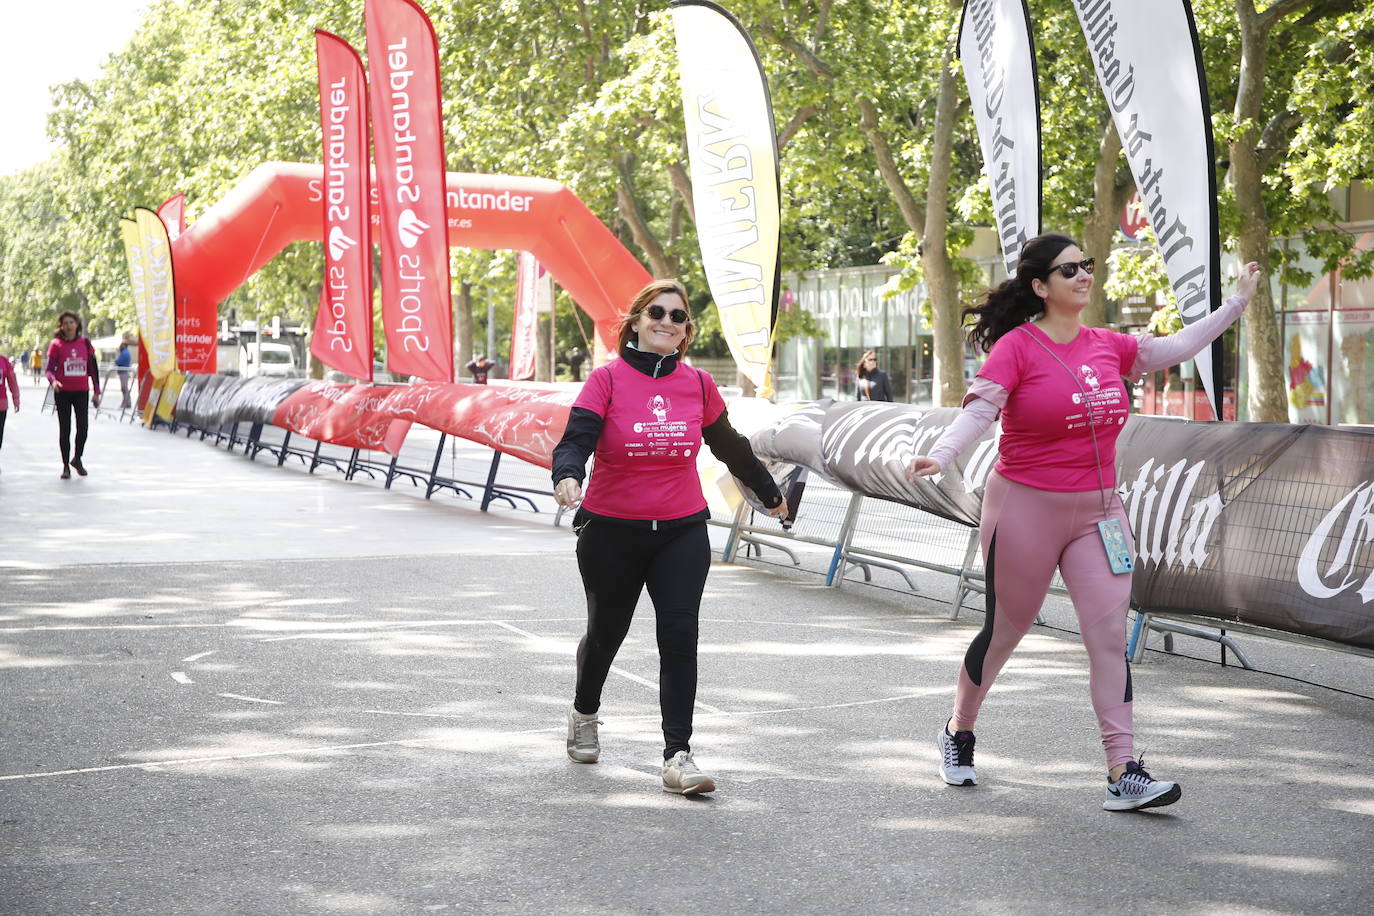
(1051, 499)
(643, 521)
(75, 378)
(9, 393)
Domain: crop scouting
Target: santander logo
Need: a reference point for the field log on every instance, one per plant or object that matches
(339, 243)
(410, 227)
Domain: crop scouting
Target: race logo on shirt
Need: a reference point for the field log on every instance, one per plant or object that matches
(74, 366)
(1105, 406)
(660, 407)
(661, 437)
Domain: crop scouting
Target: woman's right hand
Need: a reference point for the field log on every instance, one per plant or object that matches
(56, 384)
(568, 492)
(922, 466)
(1248, 281)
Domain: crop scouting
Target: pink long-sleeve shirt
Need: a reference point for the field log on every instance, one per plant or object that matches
(988, 396)
(72, 362)
(9, 381)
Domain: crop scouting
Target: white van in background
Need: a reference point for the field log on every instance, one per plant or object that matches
(277, 359)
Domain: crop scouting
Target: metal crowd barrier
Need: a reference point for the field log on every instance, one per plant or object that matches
(839, 531)
(420, 461)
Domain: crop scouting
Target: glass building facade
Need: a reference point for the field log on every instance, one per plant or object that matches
(1327, 327)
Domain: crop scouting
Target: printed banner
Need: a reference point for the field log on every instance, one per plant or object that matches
(138, 282)
(1150, 67)
(1266, 524)
(211, 401)
(523, 421)
(343, 323)
(733, 151)
(173, 215)
(159, 293)
(347, 415)
(171, 390)
(531, 281)
(998, 55)
(408, 140)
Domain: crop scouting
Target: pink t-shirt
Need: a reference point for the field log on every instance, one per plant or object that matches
(1046, 442)
(646, 456)
(72, 362)
(9, 383)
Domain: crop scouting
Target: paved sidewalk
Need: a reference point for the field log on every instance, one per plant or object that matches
(236, 688)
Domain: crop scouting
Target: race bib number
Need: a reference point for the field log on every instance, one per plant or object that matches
(74, 365)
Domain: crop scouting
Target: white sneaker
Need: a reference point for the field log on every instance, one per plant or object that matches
(584, 744)
(681, 775)
(1136, 789)
(956, 757)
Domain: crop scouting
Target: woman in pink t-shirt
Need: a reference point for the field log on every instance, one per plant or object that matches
(1058, 388)
(75, 380)
(9, 391)
(643, 520)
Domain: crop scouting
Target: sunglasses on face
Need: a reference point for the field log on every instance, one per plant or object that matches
(656, 312)
(1069, 270)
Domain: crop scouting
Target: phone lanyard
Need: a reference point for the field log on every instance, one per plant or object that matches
(1092, 428)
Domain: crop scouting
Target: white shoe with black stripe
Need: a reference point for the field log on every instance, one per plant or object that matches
(1137, 789)
(956, 757)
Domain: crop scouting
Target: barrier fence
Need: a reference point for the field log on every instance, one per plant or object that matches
(1256, 528)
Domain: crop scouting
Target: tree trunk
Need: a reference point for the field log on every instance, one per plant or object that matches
(1267, 401)
(941, 279)
(660, 264)
(1110, 191)
(887, 166)
(462, 325)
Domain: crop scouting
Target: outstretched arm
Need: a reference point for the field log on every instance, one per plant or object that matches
(1161, 352)
(982, 405)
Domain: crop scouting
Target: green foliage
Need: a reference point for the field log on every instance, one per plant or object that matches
(587, 93)
(797, 322)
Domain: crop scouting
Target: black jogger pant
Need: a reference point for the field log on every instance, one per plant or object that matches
(3, 414)
(69, 402)
(616, 562)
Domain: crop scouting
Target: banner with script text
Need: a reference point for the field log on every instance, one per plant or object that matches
(408, 142)
(998, 55)
(133, 255)
(343, 323)
(159, 292)
(733, 151)
(1149, 65)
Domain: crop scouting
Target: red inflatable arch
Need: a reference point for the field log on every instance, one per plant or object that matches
(279, 203)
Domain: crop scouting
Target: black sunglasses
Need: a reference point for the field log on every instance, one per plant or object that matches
(1069, 269)
(679, 316)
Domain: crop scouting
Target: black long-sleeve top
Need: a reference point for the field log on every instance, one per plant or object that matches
(725, 442)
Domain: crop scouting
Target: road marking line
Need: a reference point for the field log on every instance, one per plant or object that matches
(239, 696)
(181, 678)
(199, 655)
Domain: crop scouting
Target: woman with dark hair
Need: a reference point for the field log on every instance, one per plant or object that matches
(873, 383)
(643, 521)
(75, 379)
(1051, 500)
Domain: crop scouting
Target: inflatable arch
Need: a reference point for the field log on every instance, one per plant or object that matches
(280, 202)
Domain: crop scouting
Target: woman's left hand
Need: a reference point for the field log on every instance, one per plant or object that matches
(1248, 282)
(779, 511)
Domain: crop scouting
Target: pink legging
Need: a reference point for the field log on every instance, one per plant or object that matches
(1025, 533)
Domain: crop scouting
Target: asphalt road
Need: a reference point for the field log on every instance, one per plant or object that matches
(235, 688)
